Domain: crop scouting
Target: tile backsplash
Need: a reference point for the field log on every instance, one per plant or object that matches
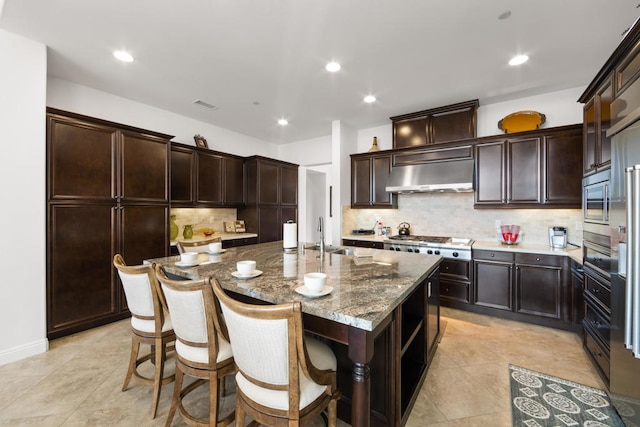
(204, 217)
(452, 214)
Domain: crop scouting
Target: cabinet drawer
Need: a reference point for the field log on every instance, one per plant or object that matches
(493, 255)
(599, 355)
(597, 258)
(454, 291)
(363, 243)
(537, 259)
(598, 323)
(456, 269)
(598, 291)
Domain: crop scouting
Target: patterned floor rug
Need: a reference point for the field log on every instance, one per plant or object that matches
(539, 400)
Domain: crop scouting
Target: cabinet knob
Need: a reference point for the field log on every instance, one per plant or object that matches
(492, 255)
(537, 259)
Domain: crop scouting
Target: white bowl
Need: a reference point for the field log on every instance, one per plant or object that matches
(189, 257)
(315, 281)
(215, 247)
(246, 267)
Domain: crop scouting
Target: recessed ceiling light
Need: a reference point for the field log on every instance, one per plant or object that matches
(283, 122)
(123, 56)
(518, 59)
(333, 67)
(504, 15)
(369, 99)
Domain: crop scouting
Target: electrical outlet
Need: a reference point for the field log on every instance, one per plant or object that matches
(578, 225)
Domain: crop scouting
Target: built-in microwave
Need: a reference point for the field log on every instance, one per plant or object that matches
(595, 207)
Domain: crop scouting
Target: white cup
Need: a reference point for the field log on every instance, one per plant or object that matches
(215, 247)
(315, 281)
(189, 257)
(246, 268)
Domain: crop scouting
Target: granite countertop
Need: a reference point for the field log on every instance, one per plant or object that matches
(223, 236)
(535, 248)
(365, 290)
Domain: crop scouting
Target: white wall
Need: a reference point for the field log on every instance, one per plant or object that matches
(22, 183)
(72, 97)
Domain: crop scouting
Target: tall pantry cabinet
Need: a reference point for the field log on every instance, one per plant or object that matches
(107, 193)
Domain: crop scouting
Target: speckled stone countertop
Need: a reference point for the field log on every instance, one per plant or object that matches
(365, 289)
(532, 248)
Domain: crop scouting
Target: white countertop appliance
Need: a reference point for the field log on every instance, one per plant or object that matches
(448, 247)
(558, 237)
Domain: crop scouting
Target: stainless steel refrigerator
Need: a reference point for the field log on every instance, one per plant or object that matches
(625, 274)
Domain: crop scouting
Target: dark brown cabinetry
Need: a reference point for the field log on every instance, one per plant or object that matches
(436, 125)
(455, 282)
(530, 170)
(201, 177)
(232, 243)
(528, 287)
(596, 122)
(363, 243)
(107, 193)
(272, 197)
(369, 173)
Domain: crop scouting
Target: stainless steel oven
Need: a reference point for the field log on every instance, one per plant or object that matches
(596, 198)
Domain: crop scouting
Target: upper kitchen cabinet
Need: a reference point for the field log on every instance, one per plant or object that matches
(201, 177)
(436, 125)
(596, 122)
(272, 197)
(369, 173)
(535, 169)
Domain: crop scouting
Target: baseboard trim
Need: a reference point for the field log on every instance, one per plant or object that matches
(23, 351)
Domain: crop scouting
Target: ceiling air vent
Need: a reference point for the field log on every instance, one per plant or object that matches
(205, 104)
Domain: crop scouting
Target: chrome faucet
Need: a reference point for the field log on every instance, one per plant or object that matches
(321, 231)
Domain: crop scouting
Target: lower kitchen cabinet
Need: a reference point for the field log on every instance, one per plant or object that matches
(363, 243)
(596, 325)
(527, 287)
(455, 282)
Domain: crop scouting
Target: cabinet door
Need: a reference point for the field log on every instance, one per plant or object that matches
(411, 132)
(81, 289)
(269, 224)
(144, 168)
(182, 174)
(433, 307)
(209, 180)
(490, 179)
(143, 232)
(233, 181)
(361, 182)
(524, 167)
(563, 178)
(493, 284)
(604, 97)
(589, 137)
(451, 126)
(81, 160)
(381, 170)
(539, 290)
(289, 185)
(268, 183)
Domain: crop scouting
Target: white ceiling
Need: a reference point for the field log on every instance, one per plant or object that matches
(411, 54)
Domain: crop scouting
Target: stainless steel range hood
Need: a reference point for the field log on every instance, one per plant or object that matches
(451, 176)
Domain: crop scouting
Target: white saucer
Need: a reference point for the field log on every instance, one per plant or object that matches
(217, 253)
(303, 290)
(255, 273)
(186, 264)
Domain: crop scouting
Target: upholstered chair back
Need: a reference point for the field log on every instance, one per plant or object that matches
(200, 337)
(199, 246)
(143, 300)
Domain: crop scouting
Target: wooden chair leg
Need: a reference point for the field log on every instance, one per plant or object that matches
(135, 347)
(333, 413)
(239, 413)
(158, 373)
(177, 388)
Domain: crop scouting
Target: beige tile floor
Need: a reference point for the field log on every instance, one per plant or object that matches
(78, 382)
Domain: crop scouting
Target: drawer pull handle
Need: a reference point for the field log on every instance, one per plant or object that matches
(595, 291)
(596, 323)
(598, 354)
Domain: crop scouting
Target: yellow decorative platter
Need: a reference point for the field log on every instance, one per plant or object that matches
(521, 121)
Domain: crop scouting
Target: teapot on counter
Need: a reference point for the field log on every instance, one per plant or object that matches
(404, 229)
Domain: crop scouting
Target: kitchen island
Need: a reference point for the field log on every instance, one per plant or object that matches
(381, 318)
